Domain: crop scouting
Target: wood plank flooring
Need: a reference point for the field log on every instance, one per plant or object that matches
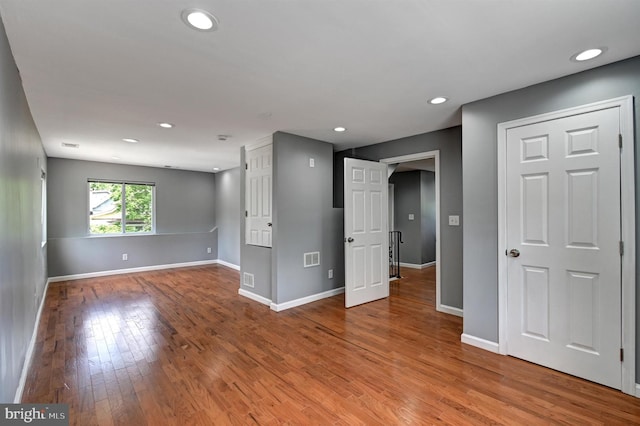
(181, 347)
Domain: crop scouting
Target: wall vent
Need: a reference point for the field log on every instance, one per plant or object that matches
(311, 259)
(247, 279)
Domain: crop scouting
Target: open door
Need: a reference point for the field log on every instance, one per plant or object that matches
(366, 234)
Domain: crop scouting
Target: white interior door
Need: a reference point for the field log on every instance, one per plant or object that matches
(259, 170)
(563, 218)
(365, 229)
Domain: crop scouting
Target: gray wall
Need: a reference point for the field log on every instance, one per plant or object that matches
(185, 219)
(228, 215)
(428, 222)
(448, 142)
(23, 260)
(479, 155)
(304, 218)
(406, 188)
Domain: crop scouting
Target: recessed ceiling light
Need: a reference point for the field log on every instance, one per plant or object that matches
(131, 140)
(215, 169)
(165, 125)
(339, 129)
(200, 20)
(438, 100)
(588, 54)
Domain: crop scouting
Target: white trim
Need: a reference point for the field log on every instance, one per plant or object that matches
(479, 343)
(27, 358)
(415, 266)
(131, 270)
(627, 172)
(637, 390)
(452, 310)
(254, 297)
(227, 264)
(308, 299)
(628, 224)
(422, 156)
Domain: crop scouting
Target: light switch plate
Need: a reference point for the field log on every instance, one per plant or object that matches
(454, 220)
(312, 162)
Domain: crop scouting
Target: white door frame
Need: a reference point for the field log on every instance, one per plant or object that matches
(392, 206)
(436, 156)
(627, 223)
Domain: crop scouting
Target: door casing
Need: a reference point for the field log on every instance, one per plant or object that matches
(627, 225)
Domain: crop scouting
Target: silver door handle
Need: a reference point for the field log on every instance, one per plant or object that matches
(514, 253)
(349, 240)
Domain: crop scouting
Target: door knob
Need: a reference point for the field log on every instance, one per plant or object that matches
(269, 224)
(349, 240)
(514, 253)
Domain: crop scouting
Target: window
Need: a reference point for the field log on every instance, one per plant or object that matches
(121, 207)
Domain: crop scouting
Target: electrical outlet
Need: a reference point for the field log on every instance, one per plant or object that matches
(125, 256)
(208, 249)
(330, 273)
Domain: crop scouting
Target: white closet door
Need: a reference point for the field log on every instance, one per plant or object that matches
(259, 171)
(563, 232)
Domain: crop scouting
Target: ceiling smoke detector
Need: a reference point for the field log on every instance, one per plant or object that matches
(223, 137)
(70, 145)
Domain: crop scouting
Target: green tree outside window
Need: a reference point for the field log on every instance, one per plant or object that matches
(117, 208)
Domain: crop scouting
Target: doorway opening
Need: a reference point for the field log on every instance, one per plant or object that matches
(416, 268)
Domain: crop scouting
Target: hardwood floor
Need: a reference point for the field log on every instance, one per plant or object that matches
(182, 347)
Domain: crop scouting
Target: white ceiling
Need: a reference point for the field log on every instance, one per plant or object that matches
(97, 71)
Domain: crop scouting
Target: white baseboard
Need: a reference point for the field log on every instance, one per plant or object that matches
(32, 344)
(308, 299)
(254, 297)
(480, 343)
(227, 264)
(450, 310)
(131, 270)
(416, 266)
(637, 390)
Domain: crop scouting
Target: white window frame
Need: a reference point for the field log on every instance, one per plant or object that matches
(43, 207)
(123, 223)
